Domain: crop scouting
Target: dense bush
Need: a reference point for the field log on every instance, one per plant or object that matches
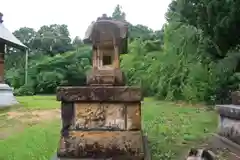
(46, 73)
(26, 90)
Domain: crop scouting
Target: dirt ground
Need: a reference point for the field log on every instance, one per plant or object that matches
(37, 116)
(16, 121)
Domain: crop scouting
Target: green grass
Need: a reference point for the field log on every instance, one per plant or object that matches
(170, 128)
(38, 142)
(39, 102)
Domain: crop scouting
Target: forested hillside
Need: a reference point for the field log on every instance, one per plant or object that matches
(194, 57)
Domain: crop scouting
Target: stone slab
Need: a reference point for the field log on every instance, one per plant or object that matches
(229, 128)
(102, 144)
(107, 116)
(147, 154)
(231, 111)
(99, 94)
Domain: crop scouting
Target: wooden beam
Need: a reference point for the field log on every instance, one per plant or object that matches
(2, 49)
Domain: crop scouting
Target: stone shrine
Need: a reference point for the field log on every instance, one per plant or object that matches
(7, 39)
(103, 119)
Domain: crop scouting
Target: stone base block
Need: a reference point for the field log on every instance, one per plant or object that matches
(230, 129)
(99, 94)
(113, 77)
(7, 98)
(102, 144)
(107, 116)
(94, 116)
(230, 111)
(147, 154)
(229, 122)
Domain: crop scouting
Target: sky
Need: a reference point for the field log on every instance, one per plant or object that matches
(79, 14)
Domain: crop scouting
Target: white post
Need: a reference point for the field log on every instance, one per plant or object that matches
(26, 67)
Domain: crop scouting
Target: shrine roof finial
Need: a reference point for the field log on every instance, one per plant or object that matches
(104, 17)
(1, 15)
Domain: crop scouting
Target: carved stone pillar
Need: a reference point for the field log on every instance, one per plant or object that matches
(100, 58)
(94, 59)
(116, 57)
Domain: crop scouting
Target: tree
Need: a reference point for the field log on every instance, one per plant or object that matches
(77, 42)
(217, 19)
(53, 39)
(26, 35)
(118, 14)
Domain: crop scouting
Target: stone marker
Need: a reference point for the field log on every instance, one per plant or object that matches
(103, 119)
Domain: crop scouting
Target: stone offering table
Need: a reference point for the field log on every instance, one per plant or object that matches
(103, 119)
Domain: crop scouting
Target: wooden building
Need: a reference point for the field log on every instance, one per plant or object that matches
(6, 39)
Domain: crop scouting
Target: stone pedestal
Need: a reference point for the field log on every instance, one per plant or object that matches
(101, 122)
(229, 122)
(7, 98)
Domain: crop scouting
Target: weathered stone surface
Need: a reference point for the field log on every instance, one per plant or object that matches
(230, 129)
(67, 116)
(107, 116)
(113, 77)
(99, 94)
(99, 116)
(102, 144)
(236, 97)
(133, 116)
(230, 111)
(147, 154)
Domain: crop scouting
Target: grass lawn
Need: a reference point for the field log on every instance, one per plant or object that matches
(39, 102)
(171, 129)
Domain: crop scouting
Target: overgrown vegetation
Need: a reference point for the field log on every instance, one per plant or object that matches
(194, 57)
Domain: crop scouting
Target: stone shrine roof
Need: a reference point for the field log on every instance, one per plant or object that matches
(109, 21)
